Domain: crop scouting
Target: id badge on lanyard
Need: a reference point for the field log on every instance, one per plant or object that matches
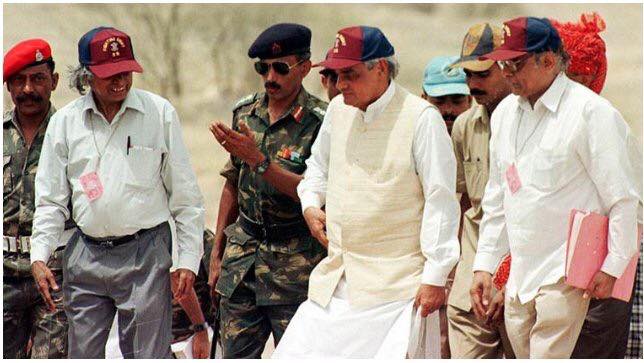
(91, 182)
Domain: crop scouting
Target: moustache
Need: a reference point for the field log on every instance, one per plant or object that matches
(271, 84)
(477, 92)
(29, 97)
(449, 117)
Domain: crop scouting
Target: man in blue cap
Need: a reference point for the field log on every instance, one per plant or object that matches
(117, 155)
(263, 251)
(445, 88)
(383, 169)
(556, 147)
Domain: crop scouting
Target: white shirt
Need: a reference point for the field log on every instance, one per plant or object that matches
(570, 154)
(144, 186)
(433, 156)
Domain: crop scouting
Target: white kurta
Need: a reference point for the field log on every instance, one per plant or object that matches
(388, 331)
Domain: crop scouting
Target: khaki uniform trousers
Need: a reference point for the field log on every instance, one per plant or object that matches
(469, 338)
(548, 325)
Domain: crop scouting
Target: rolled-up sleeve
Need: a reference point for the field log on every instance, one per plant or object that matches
(493, 241)
(184, 197)
(312, 189)
(602, 147)
(436, 167)
(52, 192)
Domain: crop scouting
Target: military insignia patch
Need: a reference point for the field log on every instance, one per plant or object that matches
(287, 154)
(39, 55)
(114, 44)
(297, 114)
(339, 40)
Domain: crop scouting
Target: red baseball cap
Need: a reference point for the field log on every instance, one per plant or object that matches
(27, 53)
(357, 44)
(525, 35)
(107, 51)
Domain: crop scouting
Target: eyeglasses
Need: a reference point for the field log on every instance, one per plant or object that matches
(514, 65)
(279, 67)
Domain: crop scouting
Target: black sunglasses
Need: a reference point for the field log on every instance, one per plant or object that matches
(279, 67)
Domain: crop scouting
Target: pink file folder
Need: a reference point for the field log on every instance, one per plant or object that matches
(586, 250)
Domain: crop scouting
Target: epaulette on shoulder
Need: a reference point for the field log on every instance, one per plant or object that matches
(8, 115)
(318, 107)
(245, 101)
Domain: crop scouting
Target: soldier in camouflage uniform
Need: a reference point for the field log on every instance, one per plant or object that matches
(262, 270)
(30, 78)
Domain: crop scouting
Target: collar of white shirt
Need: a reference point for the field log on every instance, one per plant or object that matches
(551, 98)
(132, 101)
(376, 108)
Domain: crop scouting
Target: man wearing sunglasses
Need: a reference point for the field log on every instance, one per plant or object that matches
(555, 146)
(264, 252)
(384, 169)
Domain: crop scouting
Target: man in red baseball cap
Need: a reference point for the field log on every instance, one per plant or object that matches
(384, 168)
(556, 146)
(29, 73)
(117, 156)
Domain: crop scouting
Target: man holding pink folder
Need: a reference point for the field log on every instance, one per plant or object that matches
(556, 146)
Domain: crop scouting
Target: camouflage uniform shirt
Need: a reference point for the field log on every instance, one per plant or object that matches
(19, 166)
(282, 267)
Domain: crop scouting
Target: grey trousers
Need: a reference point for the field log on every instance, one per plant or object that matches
(132, 279)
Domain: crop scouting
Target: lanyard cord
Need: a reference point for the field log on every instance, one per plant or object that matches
(525, 142)
(100, 154)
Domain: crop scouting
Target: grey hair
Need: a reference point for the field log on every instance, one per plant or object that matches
(392, 63)
(79, 78)
(563, 59)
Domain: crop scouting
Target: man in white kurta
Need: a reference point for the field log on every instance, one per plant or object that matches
(384, 170)
(556, 146)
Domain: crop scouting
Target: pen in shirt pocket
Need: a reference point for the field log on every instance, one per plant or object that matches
(129, 145)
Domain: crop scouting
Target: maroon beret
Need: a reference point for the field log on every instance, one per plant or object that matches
(26, 53)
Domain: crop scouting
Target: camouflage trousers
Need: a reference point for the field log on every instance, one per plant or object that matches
(245, 327)
(25, 316)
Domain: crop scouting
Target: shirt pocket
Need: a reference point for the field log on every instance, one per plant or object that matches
(476, 176)
(7, 183)
(145, 166)
(549, 170)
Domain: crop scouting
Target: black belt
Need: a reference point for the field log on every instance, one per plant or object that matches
(273, 231)
(110, 242)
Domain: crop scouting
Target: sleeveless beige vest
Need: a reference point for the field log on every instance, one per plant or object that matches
(374, 206)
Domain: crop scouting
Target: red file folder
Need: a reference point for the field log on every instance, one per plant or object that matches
(586, 250)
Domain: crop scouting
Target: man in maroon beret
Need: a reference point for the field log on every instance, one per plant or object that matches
(30, 78)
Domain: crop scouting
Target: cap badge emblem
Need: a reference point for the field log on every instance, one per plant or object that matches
(114, 43)
(276, 49)
(339, 40)
(39, 55)
(506, 30)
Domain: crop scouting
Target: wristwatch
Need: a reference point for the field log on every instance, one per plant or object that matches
(263, 166)
(199, 327)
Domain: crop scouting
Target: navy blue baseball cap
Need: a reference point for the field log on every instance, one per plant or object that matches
(107, 51)
(281, 40)
(357, 44)
(525, 35)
